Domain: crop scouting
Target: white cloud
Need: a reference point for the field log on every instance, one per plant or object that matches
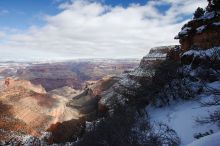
(90, 29)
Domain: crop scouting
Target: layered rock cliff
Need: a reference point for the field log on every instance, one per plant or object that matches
(201, 33)
(26, 109)
(199, 39)
(72, 74)
(135, 85)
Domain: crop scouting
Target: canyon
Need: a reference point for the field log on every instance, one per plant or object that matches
(168, 98)
(70, 73)
(37, 97)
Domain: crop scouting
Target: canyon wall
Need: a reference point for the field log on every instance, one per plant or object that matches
(201, 33)
(136, 84)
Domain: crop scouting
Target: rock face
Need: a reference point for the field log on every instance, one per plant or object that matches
(201, 33)
(10, 83)
(132, 84)
(87, 101)
(200, 42)
(28, 109)
(66, 91)
(50, 76)
(202, 64)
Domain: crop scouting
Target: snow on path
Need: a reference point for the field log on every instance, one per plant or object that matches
(181, 117)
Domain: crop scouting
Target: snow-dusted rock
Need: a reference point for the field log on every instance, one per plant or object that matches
(131, 83)
(184, 31)
(202, 32)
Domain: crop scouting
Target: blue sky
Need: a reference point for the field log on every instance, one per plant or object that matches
(67, 29)
(22, 14)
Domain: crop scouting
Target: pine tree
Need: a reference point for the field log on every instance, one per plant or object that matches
(198, 13)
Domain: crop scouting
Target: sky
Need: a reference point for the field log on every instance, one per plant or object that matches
(71, 29)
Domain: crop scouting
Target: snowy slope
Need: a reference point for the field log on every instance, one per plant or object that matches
(210, 140)
(181, 117)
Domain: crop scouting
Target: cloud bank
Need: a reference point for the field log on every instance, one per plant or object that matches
(85, 29)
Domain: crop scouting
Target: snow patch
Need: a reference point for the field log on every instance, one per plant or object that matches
(140, 72)
(201, 29)
(203, 53)
(210, 140)
(209, 15)
(185, 31)
(155, 56)
(127, 82)
(181, 117)
(214, 85)
(216, 23)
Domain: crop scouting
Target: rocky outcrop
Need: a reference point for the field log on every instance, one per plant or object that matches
(202, 64)
(201, 33)
(133, 84)
(87, 101)
(200, 42)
